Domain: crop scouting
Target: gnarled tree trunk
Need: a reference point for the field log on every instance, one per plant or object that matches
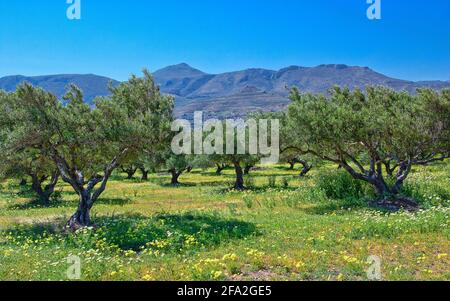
(306, 167)
(292, 165)
(86, 190)
(390, 168)
(175, 176)
(247, 169)
(130, 171)
(82, 217)
(220, 168)
(144, 174)
(239, 184)
(375, 177)
(44, 193)
(88, 195)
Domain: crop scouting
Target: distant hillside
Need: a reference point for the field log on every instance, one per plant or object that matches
(232, 94)
(240, 92)
(92, 85)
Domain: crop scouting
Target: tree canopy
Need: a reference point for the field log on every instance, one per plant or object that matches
(366, 132)
(88, 143)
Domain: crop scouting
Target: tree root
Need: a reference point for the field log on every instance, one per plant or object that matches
(396, 204)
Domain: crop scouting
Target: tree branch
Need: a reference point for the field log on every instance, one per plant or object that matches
(108, 171)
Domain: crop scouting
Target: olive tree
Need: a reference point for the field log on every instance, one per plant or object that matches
(237, 157)
(130, 169)
(23, 163)
(42, 171)
(361, 132)
(151, 161)
(220, 167)
(292, 157)
(241, 165)
(87, 144)
(240, 162)
(177, 165)
(288, 155)
(216, 142)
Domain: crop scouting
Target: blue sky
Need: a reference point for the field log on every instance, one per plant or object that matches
(118, 37)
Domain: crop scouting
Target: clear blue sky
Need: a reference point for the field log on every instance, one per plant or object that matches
(118, 37)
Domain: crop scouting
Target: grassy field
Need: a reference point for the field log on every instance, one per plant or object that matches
(283, 228)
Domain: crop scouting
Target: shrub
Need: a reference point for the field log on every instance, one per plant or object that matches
(427, 194)
(340, 185)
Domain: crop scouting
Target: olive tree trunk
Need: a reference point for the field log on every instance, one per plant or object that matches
(291, 165)
(144, 174)
(86, 189)
(82, 217)
(175, 176)
(247, 169)
(220, 168)
(375, 177)
(130, 171)
(239, 184)
(44, 193)
(306, 167)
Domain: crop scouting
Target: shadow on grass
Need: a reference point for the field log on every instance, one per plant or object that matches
(215, 174)
(284, 168)
(172, 233)
(36, 230)
(114, 201)
(176, 232)
(165, 183)
(16, 190)
(256, 189)
(36, 204)
(179, 185)
(137, 178)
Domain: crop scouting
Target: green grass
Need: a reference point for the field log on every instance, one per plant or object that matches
(287, 229)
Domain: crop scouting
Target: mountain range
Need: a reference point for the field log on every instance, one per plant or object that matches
(232, 94)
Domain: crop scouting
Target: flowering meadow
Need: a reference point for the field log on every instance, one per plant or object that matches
(282, 227)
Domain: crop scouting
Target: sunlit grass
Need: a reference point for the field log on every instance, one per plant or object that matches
(201, 230)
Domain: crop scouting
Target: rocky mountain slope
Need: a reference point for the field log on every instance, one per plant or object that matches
(232, 94)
